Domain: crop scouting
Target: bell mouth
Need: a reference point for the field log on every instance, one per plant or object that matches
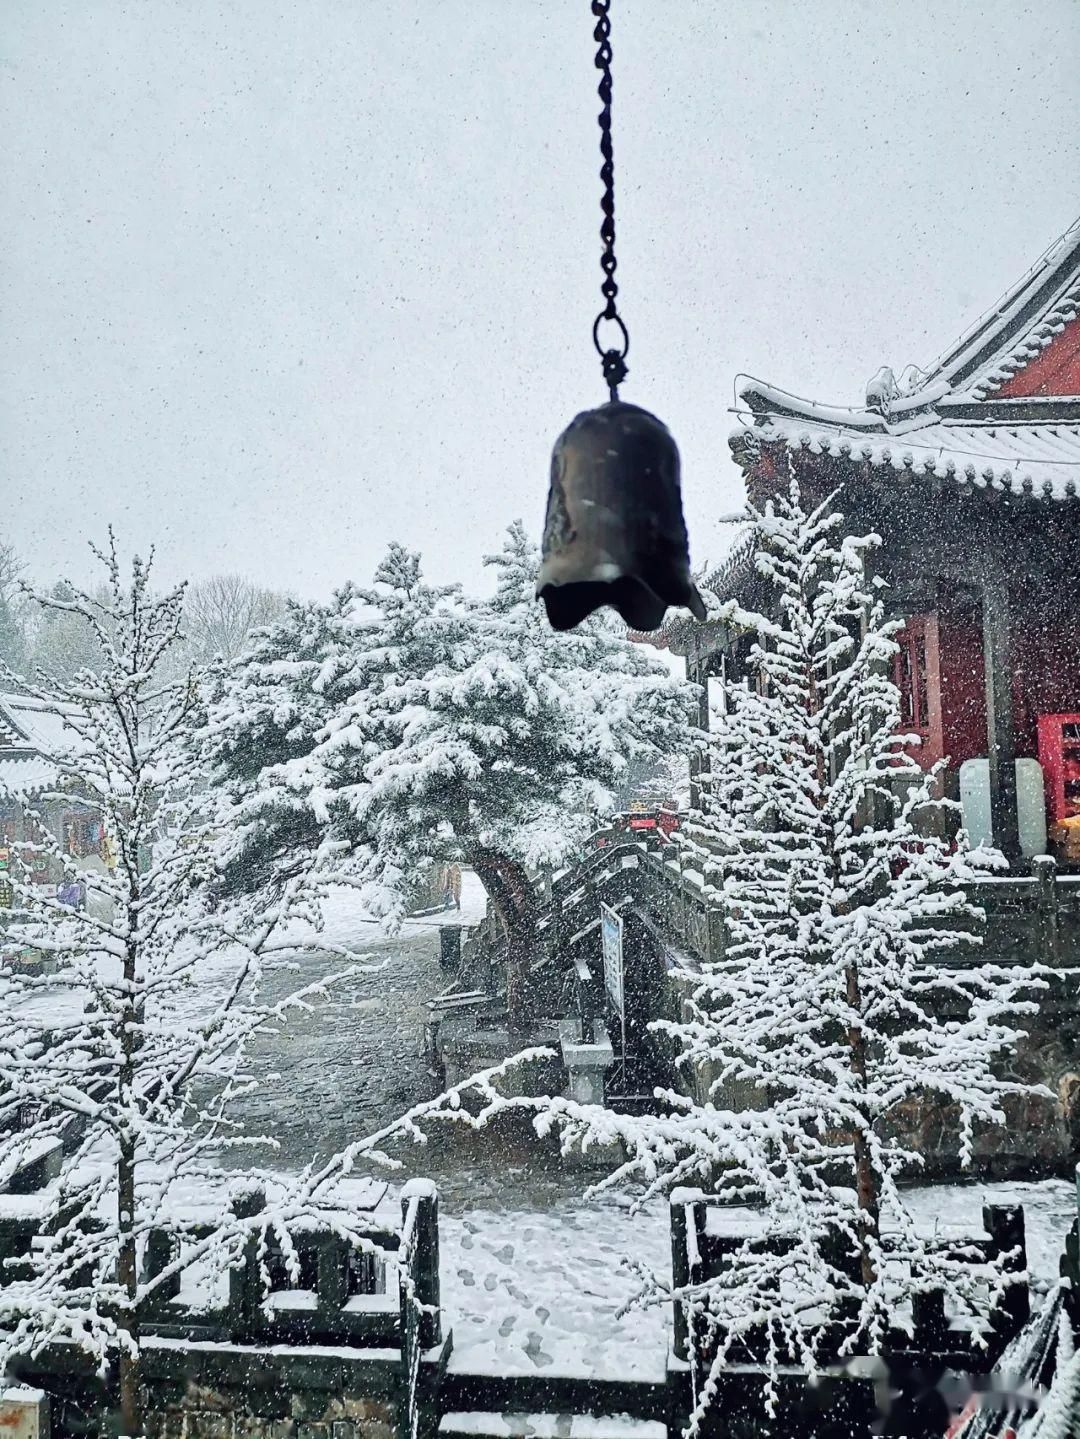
(636, 604)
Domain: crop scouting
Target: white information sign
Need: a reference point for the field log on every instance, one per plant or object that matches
(611, 938)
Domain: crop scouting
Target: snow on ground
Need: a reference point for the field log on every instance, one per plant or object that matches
(539, 1291)
(531, 1291)
(532, 1278)
(345, 923)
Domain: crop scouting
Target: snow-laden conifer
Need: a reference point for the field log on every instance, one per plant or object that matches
(851, 985)
(412, 725)
(126, 1011)
(850, 988)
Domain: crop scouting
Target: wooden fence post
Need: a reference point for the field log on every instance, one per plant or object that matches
(424, 1259)
(1004, 1223)
(331, 1274)
(929, 1322)
(687, 1210)
(245, 1289)
(1049, 941)
(161, 1250)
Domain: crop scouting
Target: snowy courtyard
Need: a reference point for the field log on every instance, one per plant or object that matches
(540, 872)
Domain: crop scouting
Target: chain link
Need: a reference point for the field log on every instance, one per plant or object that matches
(612, 360)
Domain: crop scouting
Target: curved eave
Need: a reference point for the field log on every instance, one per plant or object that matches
(1038, 461)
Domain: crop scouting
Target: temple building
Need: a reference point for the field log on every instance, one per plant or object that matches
(970, 473)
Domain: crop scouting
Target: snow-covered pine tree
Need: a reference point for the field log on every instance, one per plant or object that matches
(847, 988)
(128, 1044)
(461, 730)
(265, 713)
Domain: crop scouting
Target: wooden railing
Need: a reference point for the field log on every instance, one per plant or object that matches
(699, 1252)
(657, 879)
(1031, 917)
(380, 1293)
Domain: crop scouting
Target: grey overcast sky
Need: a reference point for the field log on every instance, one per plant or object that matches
(284, 282)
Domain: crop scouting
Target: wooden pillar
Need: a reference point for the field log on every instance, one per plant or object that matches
(697, 672)
(1007, 1249)
(1001, 742)
(687, 1220)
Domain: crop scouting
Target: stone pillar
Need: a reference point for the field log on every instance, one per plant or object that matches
(24, 1413)
(450, 947)
(586, 1065)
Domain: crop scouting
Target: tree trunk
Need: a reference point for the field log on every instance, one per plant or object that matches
(127, 1276)
(511, 892)
(866, 1181)
(866, 1184)
(127, 1253)
(130, 1397)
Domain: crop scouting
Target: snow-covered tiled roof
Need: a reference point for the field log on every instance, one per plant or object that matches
(964, 418)
(34, 722)
(25, 774)
(1019, 327)
(1040, 460)
(29, 732)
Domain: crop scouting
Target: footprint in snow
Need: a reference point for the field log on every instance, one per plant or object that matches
(506, 1253)
(536, 1353)
(490, 1282)
(506, 1327)
(466, 1277)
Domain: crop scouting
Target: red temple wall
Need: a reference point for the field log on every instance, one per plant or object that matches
(1046, 672)
(1046, 675)
(963, 683)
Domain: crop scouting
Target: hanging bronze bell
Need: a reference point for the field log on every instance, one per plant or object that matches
(614, 532)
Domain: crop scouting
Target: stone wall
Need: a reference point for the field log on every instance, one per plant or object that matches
(254, 1403)
(1030, 921)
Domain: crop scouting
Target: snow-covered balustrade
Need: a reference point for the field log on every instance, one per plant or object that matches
(707, 1233)
(353, 1331)
(1030, 918)
(329, 1292)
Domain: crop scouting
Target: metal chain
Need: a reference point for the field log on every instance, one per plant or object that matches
(612, 361)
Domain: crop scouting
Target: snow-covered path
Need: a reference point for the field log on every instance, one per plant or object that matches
(354, 1062)
(539, 1290)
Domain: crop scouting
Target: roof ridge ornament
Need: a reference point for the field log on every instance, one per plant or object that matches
(884, 388)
